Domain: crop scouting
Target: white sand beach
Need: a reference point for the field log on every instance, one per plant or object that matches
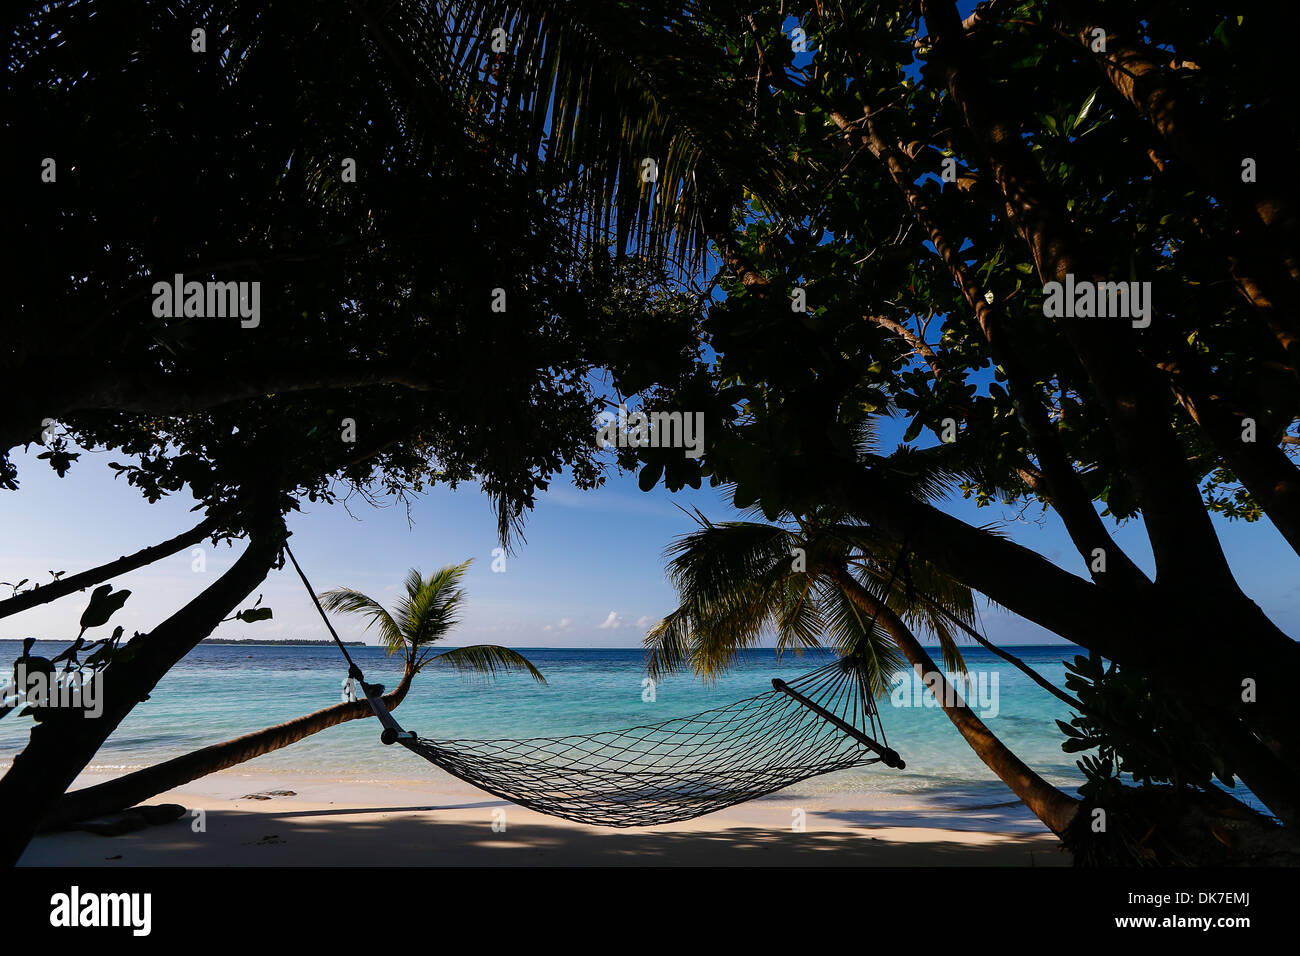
(331, 822)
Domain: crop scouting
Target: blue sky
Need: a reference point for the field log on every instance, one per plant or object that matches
(589, 575)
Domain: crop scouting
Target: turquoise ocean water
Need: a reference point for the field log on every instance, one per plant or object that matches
(221, 691)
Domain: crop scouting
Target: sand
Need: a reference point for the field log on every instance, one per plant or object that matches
(441, 822)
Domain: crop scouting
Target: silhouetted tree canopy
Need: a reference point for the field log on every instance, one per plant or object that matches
(891, 198)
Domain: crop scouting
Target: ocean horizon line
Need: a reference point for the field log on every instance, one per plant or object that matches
(315, 642)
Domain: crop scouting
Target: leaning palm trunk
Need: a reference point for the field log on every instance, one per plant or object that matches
(126, 791)
(1050, 805)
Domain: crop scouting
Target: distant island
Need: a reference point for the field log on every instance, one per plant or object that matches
(227, 640)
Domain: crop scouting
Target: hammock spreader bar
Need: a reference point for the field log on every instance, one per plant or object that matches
(888, 756)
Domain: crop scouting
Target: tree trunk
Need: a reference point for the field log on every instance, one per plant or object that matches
(1189, 558)
(128, 790)
(1154, 635)
(1054, 808)
(62, 745)
(1139, 628)
(1011, 659)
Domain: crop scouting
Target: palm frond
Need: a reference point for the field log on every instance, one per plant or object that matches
(855, 634)
(586, 91)
(737, 580)
(733, 581)
(404, 610)
(433, 604)
(426, 612)
(487, 660)
(892, 591)
(350, 601)
(799, 619)
(927, 474)
(711, 563)
(667, 645)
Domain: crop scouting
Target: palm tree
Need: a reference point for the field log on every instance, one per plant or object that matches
(425, 615)
(813, 575)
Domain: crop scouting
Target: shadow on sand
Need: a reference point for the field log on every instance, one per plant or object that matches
(442, 835)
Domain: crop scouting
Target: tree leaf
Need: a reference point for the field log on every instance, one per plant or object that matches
(649, 476)
(103, 605)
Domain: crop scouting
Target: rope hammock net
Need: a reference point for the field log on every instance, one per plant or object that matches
(674, 770)
(679, 768)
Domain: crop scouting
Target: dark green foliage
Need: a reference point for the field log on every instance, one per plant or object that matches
(518, 170)
(376, 294)
(1137, 728)
(67, 668)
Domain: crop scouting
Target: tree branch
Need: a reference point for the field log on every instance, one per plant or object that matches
(1264, 212)
(1182, 537)
(78, 582)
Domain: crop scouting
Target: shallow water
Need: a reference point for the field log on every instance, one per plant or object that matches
(221, 691)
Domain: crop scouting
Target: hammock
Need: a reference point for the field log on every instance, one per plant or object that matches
(674, 770)
(680, 768)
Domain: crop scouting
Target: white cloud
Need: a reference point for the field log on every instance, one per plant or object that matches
(612, 623)
(563, 624)
(644, 621)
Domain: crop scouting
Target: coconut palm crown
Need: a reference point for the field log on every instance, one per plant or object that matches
(738, 580)
(424, 615)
